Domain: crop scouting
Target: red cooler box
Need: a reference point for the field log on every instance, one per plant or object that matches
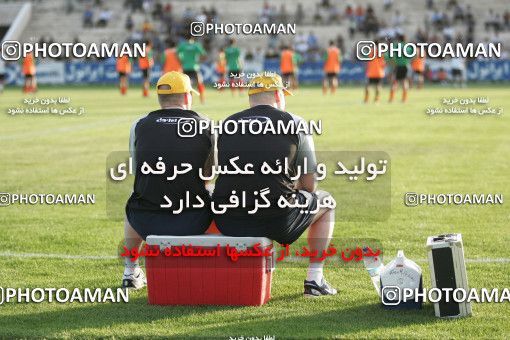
(209, 280)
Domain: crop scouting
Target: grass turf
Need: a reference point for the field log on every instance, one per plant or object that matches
(439, 154)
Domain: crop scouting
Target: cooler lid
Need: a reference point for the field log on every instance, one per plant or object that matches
(444, 240)
(208, 241)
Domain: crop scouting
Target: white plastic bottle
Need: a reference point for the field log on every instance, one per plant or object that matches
(374, 267)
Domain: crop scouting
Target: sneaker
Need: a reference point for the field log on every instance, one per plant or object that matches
(134, 280)
(312, 289)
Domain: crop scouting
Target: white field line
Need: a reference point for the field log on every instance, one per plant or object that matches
(57, 256)
(476, 260)
(112, 257)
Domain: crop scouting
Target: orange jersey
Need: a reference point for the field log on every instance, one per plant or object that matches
(146, 62)
(442, 75)
(418, 64)
(287, 61)
(332, 64)
(221, 64)
(172, 62)
(375, 68)
(123, 64)
(28, 66)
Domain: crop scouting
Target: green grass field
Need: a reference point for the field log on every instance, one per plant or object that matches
(429, 154)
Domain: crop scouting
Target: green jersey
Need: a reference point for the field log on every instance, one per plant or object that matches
(402, 60)
(232, 55)
(189, 54)
(297, 59)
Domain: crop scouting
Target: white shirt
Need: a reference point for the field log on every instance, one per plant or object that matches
(458, 63)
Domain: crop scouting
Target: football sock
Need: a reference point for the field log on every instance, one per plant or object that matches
(201, 90)
(315, 273)
(130, 266)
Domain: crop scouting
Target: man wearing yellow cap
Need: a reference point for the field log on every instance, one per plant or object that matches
(159, 145)
(282, 224)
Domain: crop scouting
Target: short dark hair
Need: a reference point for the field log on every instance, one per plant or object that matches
(168, 98)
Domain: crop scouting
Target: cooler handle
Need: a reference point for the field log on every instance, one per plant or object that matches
(271, 262)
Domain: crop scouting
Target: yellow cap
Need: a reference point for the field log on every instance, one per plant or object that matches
(177, 81)
(267, 82)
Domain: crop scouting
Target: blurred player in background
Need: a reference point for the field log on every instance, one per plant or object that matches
(145, 64)
(2, 75)
(221, 68)
(442, 76)
(29, 72)
(123, 69)
(289, 61)
(233, 57)
(332, 61)
(458, 70)
(190, 52)
(170, 59)
(418, 67)
(400, 65)
(375, 75)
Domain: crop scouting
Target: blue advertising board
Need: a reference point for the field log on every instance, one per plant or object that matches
(96, 72)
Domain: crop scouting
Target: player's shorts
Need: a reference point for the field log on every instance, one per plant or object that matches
(401, 72)
(122, 74)
(29, 76)
(160, 222)
(288, 74)
(417, 71)
(284, 229)
(193, 75)
(374, 81)
(2, 76)
(456, 72)
(145, 73)
(331, 75)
